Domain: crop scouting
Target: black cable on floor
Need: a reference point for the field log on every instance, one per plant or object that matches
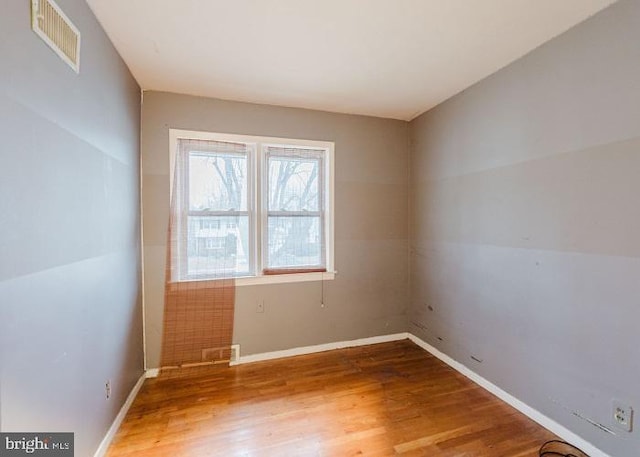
(567, 450)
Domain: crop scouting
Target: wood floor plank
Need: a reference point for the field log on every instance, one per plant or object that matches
(379, 400)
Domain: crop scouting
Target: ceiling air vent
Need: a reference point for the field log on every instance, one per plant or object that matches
(55, 28)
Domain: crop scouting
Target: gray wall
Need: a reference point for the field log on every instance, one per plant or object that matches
(70, 308)
(525, 223)
(368, 296)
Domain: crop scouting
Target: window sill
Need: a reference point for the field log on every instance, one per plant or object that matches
(285, 278)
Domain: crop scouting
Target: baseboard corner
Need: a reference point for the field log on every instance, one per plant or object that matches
(152, 373)
(521, 406)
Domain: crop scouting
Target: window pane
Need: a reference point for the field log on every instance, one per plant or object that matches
(218, 246)
(217, 181)
(294, 183)
(294, 242)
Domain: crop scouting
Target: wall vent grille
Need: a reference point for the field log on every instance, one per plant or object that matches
(235, 353)
(55, 28)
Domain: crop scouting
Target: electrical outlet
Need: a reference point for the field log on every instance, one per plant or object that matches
(260, 307)
(622, 415)
(107, 389)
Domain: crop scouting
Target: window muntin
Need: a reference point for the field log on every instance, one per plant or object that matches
(237, 224)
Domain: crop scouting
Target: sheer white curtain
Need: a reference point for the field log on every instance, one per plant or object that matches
(206, 244)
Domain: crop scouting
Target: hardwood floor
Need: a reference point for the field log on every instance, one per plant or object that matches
(379, 400)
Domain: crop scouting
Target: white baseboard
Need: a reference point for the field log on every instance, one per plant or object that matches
(525, 409)
(318, 348)
(152, 372)
(111, 433)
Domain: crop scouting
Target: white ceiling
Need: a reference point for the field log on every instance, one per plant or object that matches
(387, 58)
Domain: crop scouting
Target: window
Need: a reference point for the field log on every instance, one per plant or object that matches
(255, 208)
(294, 233)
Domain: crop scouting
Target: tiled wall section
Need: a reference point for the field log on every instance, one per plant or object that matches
(198, 322)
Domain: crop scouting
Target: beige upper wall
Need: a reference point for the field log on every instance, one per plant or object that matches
(368, 296)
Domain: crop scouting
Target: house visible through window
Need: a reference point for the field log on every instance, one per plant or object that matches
(253, 206)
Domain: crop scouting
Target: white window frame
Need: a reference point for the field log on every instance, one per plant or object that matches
(257, 206)
(182, 249)
(266, 212)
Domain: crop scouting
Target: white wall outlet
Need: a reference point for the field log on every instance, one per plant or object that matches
(622, 415)
(107, 389)
(260, 307)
